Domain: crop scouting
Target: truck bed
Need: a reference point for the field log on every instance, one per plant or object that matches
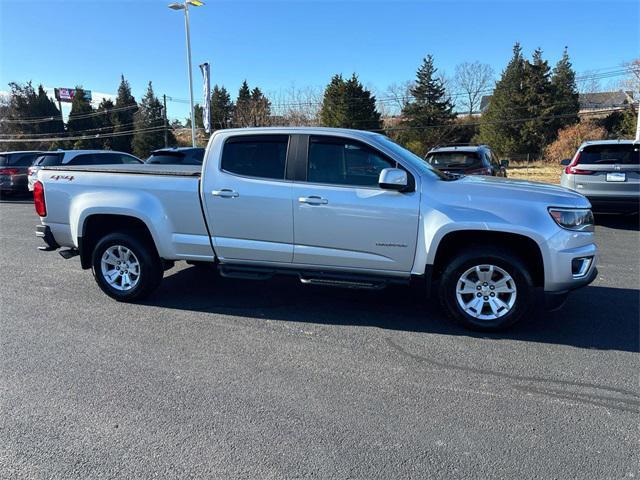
(135, 169)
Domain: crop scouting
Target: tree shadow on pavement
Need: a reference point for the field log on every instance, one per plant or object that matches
(593, 317)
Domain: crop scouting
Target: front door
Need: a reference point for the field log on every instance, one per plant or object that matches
(341, 216)
(248, 201)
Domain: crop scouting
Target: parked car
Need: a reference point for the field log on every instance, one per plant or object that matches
(13, 171)
(78, 158)
(607, 172)
(467, 160)
(177, 156)
(333, 207)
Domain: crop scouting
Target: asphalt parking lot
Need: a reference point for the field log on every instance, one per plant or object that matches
(220, 378)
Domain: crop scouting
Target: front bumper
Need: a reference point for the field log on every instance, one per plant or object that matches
(555, 300)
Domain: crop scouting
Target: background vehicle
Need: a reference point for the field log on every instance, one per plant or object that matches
(74, 158)
(334, 207)
(13, 171)
(607, 172)
(177, 156)
(467, 160)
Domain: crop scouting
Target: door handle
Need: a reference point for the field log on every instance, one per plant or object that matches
(225, 193)
(313, 200)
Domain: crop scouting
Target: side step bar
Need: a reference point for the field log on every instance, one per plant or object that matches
(310, 277)
(328, 282)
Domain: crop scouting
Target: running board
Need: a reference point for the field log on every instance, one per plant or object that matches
(335, 282)
(245, 273)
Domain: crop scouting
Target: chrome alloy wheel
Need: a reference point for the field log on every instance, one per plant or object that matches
(120, 268)
(486, 292)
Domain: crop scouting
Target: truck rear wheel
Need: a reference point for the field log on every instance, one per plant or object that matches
(486, 289)
(125, 267)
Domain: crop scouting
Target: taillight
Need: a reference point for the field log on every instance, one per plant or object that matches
(572, 170)
(9, 171)
(38, 199)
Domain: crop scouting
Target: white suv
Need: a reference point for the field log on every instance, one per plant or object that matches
(78, 158)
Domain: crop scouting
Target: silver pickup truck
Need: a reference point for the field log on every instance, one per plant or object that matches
(333, 207)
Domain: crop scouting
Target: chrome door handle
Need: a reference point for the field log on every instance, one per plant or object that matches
(225, 193)
(313, 200)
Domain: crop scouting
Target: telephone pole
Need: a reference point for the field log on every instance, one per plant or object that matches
(166, 127)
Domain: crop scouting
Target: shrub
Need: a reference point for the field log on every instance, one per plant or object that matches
(570, 138)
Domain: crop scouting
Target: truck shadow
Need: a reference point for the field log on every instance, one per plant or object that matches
(594, 317)
(618, 222)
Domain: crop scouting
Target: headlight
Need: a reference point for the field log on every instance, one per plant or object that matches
(576, 219)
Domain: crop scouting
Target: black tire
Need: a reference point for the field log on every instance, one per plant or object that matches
(505, 260)
(151, 267)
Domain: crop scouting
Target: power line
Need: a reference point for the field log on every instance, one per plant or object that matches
(83, 137)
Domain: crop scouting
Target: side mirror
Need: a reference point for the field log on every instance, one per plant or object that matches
(504, 163)
(393, 179)
(565, 162)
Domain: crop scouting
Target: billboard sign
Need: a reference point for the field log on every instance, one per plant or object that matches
(67, 94)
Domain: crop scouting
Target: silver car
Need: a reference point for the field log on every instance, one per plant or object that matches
(607, 172)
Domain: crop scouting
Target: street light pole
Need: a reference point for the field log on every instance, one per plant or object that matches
(186, 27)
(185, 6)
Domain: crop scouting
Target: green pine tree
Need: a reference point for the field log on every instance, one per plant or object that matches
(260, 109)
(105, 122)
(82, 122)
(348, 104)
(500, 124)
(123, 118)
(538, 95)
(565, 94)
(242, 112)
(149, 123)
(221, 108)
(428, 116)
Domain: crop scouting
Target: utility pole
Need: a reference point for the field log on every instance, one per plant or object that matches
(638, 123)
(166, 127)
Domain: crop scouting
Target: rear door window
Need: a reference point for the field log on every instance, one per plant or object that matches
(623, 154)
(262, 156)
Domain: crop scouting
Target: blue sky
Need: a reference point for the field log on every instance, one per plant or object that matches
(277, 45)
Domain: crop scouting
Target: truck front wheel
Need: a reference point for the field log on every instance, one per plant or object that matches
(125, 267)
(486, 289)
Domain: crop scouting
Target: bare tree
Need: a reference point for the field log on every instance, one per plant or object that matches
(397, 95)
(588, 82)
(473, 80)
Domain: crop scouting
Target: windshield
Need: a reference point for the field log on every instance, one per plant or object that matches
(166, 158)
(454, 159)
(410, 158)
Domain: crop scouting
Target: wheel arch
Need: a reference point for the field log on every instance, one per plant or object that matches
(525, 247)
(96, 226)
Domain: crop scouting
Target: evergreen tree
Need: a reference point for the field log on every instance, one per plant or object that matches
(82, 122)
(260, 109)
(242, 113)
(23, 103)
(348, 104)
(105, 122)
(565, 94)
(428, 116)
(149, 134)
(333, 108)
(123, 118)
(221, 108)
(538, 96)
(499, 125)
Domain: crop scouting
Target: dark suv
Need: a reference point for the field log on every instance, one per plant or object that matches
(13, 171)
(177, 156)
(467, 160)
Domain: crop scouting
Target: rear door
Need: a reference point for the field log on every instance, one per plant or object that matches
(609, 170)
(248, 200)
(342, 218)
